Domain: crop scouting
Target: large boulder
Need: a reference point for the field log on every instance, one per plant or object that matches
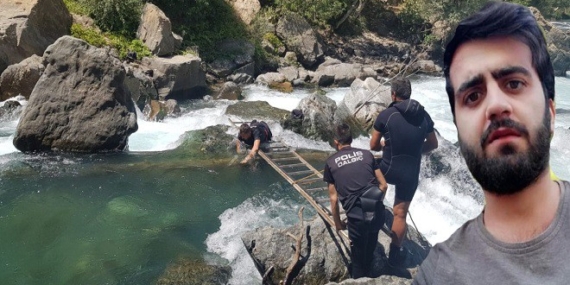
(229, 91)
(20, 78)
(318, 117)
(334, 72)
(155, 31)
(299, 36)
(79, 104)
(363, 103)
(239, 58)
(246, 10)
(179, 77)
(446, 161)
(327, 260)
(28, 27)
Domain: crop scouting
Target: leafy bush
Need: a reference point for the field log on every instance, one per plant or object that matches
(318, 12)
(273, 40)
(203, 23)
(75, 7)
(91, 36)
(121, 16)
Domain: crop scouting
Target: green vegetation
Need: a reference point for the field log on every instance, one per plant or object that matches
(121, 43)
(75, 7)
(203, 23)
(322, 13)
(119, 16)
(118, 33)
(273, 40)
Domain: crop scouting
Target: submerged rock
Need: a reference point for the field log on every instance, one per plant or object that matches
(259, 110)
(189, 272)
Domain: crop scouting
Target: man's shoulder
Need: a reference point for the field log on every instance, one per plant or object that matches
(461, 239)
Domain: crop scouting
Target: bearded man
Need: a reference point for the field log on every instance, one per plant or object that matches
(500, 84)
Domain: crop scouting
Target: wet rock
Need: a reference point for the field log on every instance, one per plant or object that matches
(259, 110)
(229, 91)
(190, 272)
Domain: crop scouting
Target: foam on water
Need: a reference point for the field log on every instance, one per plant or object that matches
(253, 213)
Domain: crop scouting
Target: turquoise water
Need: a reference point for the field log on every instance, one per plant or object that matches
(123, 218)
(114, 219)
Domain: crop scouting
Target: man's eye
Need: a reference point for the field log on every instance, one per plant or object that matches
(472, 97)
(514, 84)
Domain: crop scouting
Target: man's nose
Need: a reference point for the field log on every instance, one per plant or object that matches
(497, 102)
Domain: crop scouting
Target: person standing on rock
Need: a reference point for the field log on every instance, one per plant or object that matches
(253, 135)
(500, 85)
(408, 132)
(353, 178)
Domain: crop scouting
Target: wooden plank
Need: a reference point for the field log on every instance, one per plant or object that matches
(285, 159)
(291, 165)
(319, 189)
(310, 180)
(304, 172)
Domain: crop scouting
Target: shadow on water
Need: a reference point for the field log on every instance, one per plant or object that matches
(112, 218)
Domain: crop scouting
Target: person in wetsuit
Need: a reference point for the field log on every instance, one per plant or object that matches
(253, 135)
(408, 132)
(353, 178)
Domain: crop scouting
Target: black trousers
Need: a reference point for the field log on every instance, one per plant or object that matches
(363, 238)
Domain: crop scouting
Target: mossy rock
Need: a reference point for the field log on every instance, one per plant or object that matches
(185, 271)
(258, 110)
(210, 143)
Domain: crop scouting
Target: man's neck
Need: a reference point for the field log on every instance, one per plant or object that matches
(341, 146)
(522, 216)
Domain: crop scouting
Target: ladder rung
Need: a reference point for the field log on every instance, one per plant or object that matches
(280, 153)
(316, 189)
(300, 172)
(286, 158)
(280, 149)
(292, 165)
(310, 180)
(276, 145)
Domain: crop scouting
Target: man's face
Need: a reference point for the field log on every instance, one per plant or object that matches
(503, 122)
(246, 135)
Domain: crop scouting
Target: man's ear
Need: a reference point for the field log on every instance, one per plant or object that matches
(552, 110)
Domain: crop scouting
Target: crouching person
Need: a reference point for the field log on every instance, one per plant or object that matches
(253, 135)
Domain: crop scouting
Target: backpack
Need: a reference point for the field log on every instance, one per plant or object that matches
(264, 128)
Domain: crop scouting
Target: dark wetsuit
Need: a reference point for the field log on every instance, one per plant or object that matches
(351, 170)
(260, 132)
(405, 125)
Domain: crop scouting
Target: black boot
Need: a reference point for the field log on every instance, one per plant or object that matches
(397, 256)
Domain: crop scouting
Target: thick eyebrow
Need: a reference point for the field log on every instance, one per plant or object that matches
(498, 74)
(473, 81)
(510, 70)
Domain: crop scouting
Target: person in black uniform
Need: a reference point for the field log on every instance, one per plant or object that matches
(253, 135)
(353, 178)
(408, 132)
